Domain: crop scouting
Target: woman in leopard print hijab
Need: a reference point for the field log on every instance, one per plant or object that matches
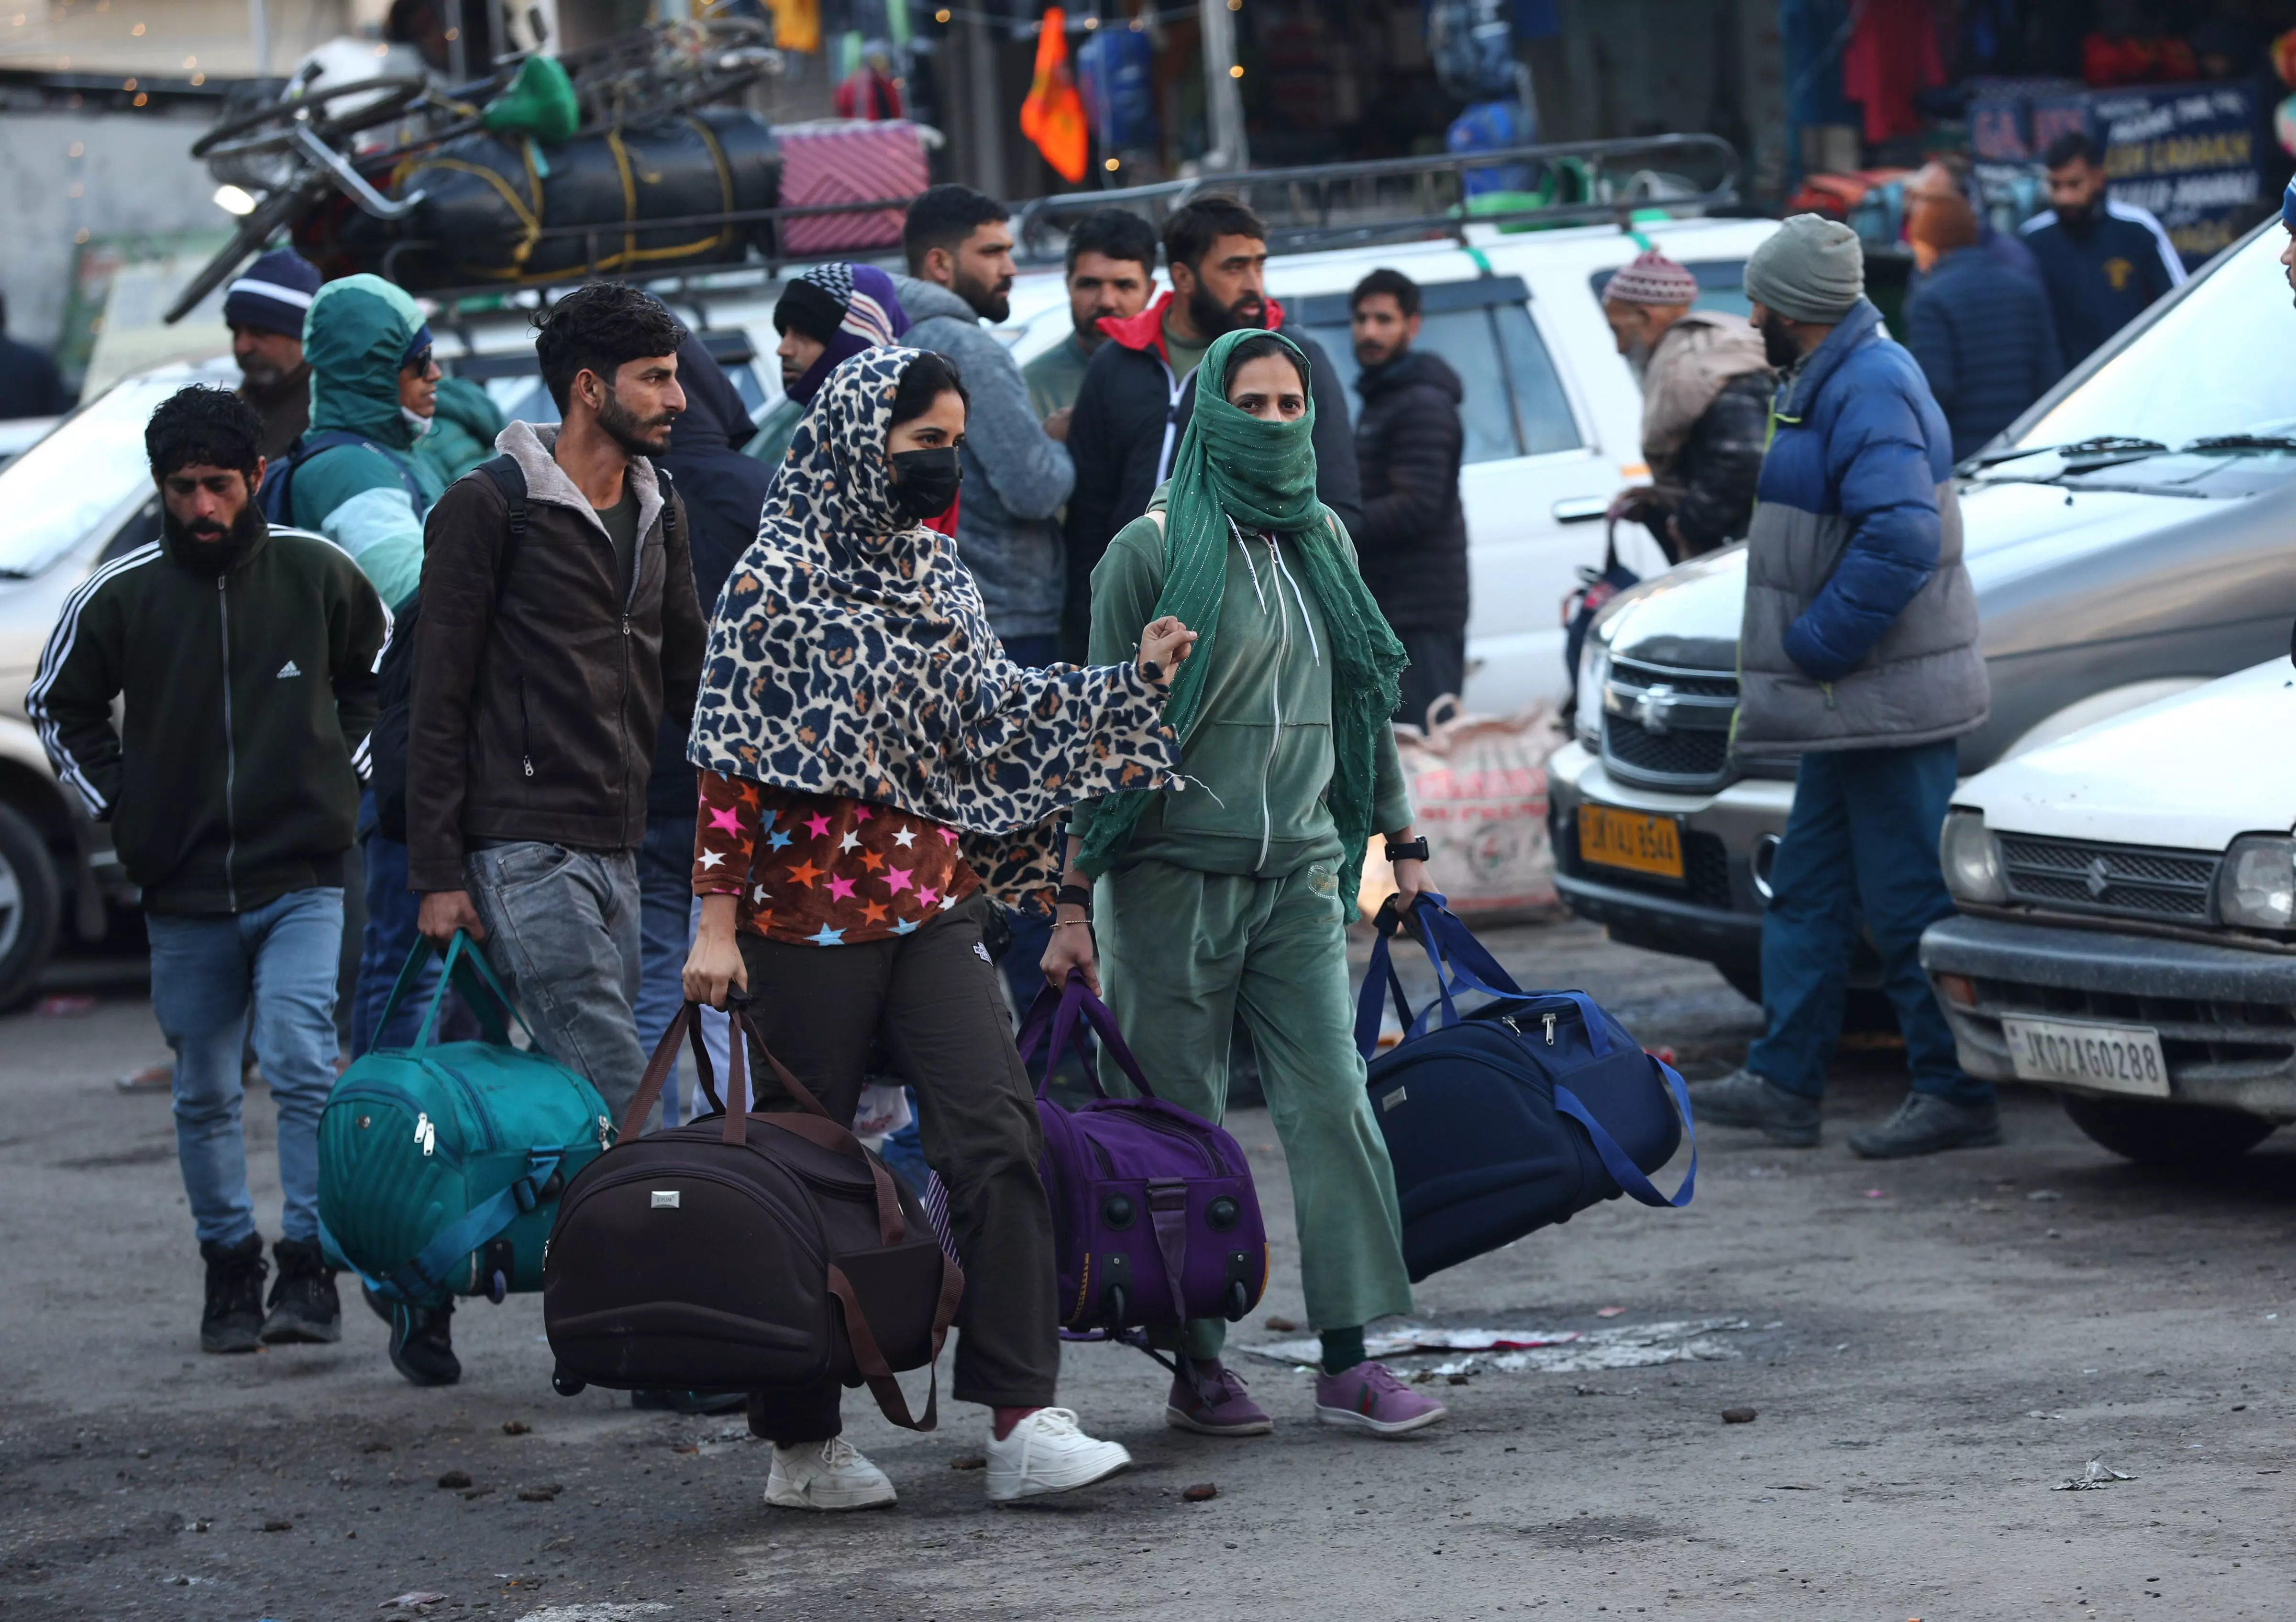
(874, 774)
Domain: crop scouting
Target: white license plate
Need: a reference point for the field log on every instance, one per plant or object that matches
(2113, 1058)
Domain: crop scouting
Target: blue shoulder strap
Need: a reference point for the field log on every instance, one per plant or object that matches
(1616, 1161)
(423, 1277)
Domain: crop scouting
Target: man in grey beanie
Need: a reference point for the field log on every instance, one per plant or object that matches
(1857, 655)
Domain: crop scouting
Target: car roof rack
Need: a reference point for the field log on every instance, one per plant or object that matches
(1392, 199)
(1307, 209)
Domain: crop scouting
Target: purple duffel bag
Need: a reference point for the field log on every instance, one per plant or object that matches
(1153, 1212)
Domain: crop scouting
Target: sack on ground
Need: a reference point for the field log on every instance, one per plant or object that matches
(745, 1252)
(1478, 794)
(440, 1164)
(1156, 1219)
(1518, 1113)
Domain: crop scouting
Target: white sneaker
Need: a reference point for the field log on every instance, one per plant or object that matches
(831, 1475)
(1047, 1453)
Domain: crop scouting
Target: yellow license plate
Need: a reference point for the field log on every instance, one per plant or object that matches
(1635, 840)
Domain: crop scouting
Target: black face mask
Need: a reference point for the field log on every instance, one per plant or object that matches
(925, 482)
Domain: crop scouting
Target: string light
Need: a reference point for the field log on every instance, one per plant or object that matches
(1236, 72)
(1112, 164)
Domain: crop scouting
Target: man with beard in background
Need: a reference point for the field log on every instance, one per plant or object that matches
(1139, 391)
(1706, 407)
(1413, 541)
(264, 309)
(246, 659)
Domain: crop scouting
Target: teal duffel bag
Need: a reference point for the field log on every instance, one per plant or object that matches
(440, 1164)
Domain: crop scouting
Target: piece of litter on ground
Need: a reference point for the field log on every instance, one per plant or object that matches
(413, 1599)
(1609, 1312)
(63, 1006)
(150, 1079)
(1561, 1352)
(2096, 1476)
(1877, 1193)
(1281, 1326)
(455, 1479)
(1202, 1492)
(970, 1461)
(2044, 1194)
(1737, 1416)
(2041, 1413)
(1776, 1324)
(515, 1427)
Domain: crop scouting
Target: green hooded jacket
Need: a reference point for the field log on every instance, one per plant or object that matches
(353, 338)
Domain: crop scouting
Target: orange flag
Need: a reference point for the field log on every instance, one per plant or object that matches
(1052, 117)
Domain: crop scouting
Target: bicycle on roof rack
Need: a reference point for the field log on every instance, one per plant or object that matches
(311, 159)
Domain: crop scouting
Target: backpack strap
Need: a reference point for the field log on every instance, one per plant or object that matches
(510, 479)
(280, 508)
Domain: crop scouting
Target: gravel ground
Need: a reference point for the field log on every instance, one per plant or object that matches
(1928, 1349)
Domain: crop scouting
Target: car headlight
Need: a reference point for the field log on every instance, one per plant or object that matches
(1972, 860)
(2255, 887)
(1593, 671)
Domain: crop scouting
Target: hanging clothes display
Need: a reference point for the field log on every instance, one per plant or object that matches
(1892, 56)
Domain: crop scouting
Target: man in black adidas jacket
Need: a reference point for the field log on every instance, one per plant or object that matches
(246, 656)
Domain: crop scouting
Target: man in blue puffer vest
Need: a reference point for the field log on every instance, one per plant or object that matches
(1858, 654)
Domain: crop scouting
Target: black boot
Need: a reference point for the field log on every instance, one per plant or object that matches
(303, 1309)
(423, 1346)
(233, 1321)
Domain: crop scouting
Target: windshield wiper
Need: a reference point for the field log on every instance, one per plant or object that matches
(2118, 447)
(2243, 442)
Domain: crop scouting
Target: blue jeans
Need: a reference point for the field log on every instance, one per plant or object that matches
(668, 913)
(205, 971)
(1861, 845)
(389, 937)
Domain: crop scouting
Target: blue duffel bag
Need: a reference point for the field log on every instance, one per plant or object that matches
(1518, 1113)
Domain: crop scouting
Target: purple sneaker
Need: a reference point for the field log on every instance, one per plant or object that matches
(1214, 1404)
(1368, 1397)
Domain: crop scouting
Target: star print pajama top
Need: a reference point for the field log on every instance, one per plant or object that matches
(823, 870)
(915, 986)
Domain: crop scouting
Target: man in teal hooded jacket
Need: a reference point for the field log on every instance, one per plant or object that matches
(369, 498)
(367, 489)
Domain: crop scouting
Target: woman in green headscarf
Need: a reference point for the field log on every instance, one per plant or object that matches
(1231, 892)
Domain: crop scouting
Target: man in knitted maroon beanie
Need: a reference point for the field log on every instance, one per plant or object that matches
(1705, 405)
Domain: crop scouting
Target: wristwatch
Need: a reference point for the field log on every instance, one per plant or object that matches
(1415, 851)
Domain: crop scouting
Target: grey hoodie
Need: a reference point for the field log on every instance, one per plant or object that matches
(1015, 478)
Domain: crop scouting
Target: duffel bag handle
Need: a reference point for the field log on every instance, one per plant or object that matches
(816, 1126)
(1058, 1011)
(868, 1357)
(1461, 963)
(1621, 1165)
(462, 954)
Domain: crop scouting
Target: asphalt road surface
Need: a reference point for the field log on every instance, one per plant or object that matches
(1929, 1348)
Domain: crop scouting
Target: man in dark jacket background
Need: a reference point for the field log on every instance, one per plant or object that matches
(544, 666)
(1706, 407)
(1412, 542)
(30, 386)
(265, 307)
(2102, 261)
(1980, 331)
(1858, 655)
(1139, 391)
(245, 657)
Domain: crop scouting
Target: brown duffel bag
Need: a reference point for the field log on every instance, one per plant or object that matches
(744, 1252)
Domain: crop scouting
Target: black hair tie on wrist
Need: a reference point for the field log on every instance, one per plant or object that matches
(1075, 895)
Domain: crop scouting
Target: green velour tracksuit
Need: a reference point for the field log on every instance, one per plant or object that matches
(1228, 899)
